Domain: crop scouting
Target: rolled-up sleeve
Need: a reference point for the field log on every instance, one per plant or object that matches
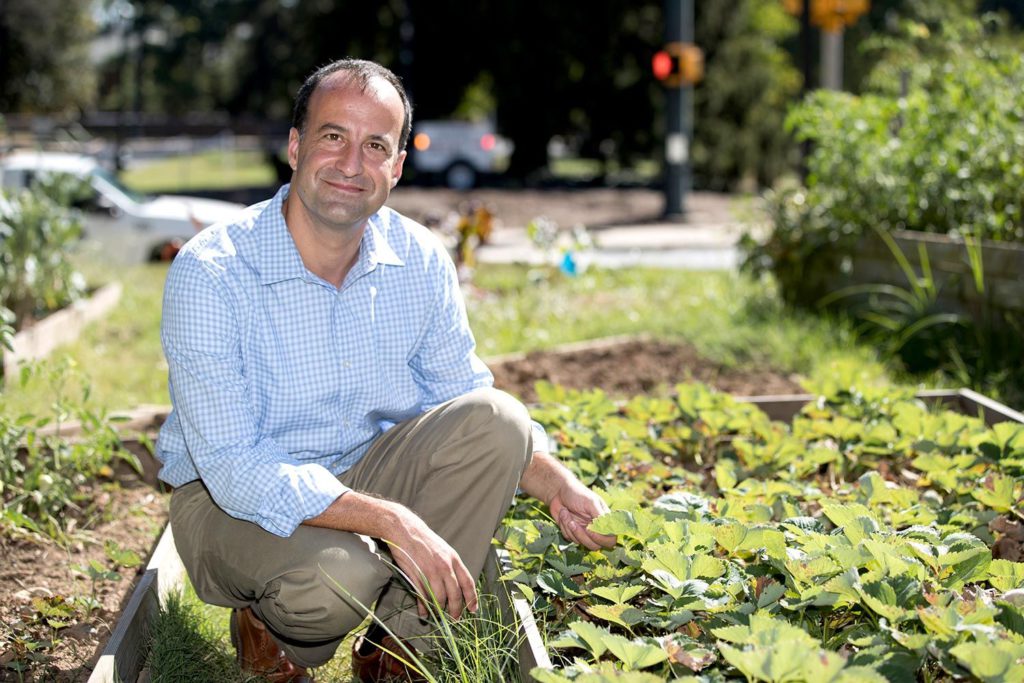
(248, 475)
(445, 364)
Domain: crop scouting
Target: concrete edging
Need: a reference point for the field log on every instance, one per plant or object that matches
(59, 328)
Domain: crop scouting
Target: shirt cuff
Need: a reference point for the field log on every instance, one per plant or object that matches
(540, 438)
(304, 492)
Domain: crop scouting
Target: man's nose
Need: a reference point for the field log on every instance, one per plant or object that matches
(350, 160)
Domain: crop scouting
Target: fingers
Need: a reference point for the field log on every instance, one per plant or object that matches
(574, 528)
(467, 588)
(440, 579)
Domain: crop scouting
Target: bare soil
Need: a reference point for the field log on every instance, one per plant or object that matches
(34, 573)
(627, 367)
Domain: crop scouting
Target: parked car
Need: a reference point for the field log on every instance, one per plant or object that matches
(128, 226)
(460, 153)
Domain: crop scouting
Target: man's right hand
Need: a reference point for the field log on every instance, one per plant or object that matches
(432, 566)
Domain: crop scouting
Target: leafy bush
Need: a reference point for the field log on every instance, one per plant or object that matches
(947, 157)
(37, 230)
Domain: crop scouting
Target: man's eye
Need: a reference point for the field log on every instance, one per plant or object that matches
(332, 137)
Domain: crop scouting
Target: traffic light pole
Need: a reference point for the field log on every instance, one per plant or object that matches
(679, 112)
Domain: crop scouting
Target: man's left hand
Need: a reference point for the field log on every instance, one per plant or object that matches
(573, 505)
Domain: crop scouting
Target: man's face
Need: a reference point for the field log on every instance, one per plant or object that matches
(347, 159)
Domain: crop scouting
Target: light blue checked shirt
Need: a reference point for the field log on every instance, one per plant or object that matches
(280, 381)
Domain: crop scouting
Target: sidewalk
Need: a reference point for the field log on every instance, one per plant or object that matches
(704, 240)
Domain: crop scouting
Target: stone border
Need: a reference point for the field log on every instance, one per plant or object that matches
(59, 328)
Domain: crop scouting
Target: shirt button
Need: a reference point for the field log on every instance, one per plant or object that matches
(346, 364)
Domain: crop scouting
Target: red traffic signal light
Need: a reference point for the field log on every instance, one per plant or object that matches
(678, 64)
(664, 65)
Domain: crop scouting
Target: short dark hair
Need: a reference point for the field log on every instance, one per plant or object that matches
(362, 70)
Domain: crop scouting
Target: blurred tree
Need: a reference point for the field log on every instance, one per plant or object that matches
(749, 84)
(43, 56)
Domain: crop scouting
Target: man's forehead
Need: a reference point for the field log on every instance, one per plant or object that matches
(373, 86)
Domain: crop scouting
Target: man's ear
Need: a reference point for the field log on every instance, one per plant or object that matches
(396, 172)
(293, 148)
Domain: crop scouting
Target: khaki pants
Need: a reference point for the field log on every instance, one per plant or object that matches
(457, 466)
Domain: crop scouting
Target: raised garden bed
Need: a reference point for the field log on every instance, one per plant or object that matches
(61, 327)
(946, 260)
(872, 539)
(124, 656)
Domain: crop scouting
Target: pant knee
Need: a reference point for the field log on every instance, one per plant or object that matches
(501, 419)
(324, 599)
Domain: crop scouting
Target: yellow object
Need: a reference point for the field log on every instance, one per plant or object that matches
(830, 15)
(679, 64)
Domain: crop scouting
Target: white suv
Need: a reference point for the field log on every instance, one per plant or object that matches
(125, 226)
(459, 152)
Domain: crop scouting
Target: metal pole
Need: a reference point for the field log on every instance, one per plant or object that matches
(832, 59)
(679, 113)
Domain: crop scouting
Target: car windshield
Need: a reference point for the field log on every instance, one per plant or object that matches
(137, 197)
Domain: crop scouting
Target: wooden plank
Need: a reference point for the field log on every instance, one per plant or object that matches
(515, 609)
(784, 407)
(126, 651)
(59, 328)
(973, 403)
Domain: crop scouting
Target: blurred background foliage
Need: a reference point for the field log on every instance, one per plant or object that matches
(576, 71)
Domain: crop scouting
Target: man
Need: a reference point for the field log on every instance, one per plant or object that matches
(331, 420)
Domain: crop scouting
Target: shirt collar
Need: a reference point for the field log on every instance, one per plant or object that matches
(278, 258)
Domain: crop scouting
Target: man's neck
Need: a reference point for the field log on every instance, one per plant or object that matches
(327, 253)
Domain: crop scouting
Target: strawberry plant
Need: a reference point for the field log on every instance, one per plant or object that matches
(857, 543)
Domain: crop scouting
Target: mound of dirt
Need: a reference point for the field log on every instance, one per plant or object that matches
(629, 366)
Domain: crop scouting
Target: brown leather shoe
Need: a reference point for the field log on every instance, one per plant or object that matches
(258, 653)
(373, 663)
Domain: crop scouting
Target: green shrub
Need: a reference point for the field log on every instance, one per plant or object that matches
(37, 230)
(946, 157)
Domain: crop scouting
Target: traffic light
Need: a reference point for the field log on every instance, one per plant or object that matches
(678, 64)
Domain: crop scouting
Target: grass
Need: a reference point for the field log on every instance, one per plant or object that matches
(212, 170)
(119, 356)
(190, 643)
(730, 320)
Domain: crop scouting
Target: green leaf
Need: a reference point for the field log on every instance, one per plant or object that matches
(764, 629)
(641, 525)
(1005, 575)
(636, 654)
(997, 491)
(123, 557)
(617, 593)
(623, 615)
(881, 598)
(855, 520)
(593, 636)
(993, 662)
(553, 582)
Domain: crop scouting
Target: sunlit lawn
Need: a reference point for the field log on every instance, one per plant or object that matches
(212, 170)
